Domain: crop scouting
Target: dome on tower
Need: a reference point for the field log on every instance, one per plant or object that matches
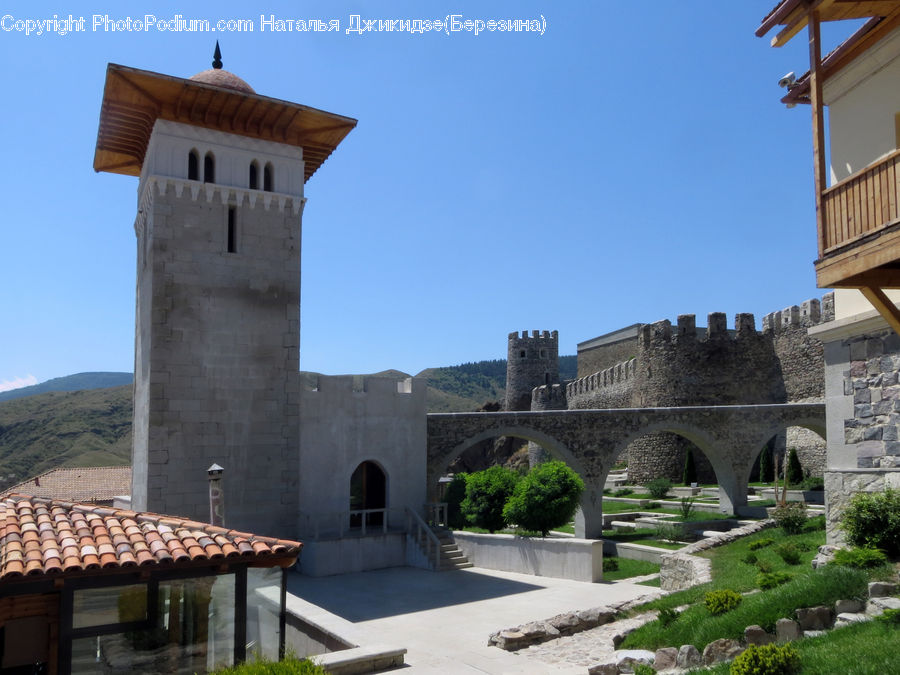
(222, 78)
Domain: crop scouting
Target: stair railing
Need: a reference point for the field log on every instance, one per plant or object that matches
(418, 528)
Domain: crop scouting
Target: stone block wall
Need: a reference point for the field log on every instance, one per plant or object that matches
(343, 424)
(606, 351)
(531, 361)
(206, 393)
(683, 365)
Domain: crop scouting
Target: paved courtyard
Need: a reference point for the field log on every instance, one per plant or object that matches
(444, 618)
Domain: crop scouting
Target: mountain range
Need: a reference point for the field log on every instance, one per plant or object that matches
(85, 419)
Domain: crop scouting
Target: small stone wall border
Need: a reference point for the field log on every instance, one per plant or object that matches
(682, 569)
(569, 623)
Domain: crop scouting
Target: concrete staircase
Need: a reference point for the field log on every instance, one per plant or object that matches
(451, 557)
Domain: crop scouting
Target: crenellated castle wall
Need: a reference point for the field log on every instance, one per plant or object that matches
(681, 365)
(610, 388)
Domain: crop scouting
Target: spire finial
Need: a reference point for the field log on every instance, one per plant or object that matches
(217, 57)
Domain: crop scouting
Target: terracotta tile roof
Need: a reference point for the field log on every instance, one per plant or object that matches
(40, 537)
(86, 484)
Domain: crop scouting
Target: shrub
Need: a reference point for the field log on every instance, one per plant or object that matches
(610, 564)
(791, 517)
(290, 665)
(659, 487)
(769, 659)
(789, 552)
(667, 615)
(766, 465)
(671, 532)
(793, 472)
(486, 494)
(761, 543)
(873, 520)
(749, 558)
(643, 669)
(689, 475)
(764, 566)
(767, 580)
(813, 484)
(719, 602)
(891, 616)
(545, 498)
(860, 558)
(687, 507)
(623, 492)
(456, 492)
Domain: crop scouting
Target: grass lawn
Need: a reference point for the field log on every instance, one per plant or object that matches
(642, 535)
(863, 649)
(731, 569)
(629, 568)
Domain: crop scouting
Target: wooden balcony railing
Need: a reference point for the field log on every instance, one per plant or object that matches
(861, 204)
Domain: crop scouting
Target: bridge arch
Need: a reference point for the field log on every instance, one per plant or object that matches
(438, 466)
(815, 424)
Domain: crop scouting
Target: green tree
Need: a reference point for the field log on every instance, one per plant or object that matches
(794, 472)
(690, 469)
(456, 492)
(766, 466)
(545, 498)
(486, 494)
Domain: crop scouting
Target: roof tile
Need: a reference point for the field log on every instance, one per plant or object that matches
(39, 536)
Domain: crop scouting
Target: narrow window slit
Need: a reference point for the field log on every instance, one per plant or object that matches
(232, 239)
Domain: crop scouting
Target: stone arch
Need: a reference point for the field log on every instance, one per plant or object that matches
(814, 423)
(702, 439)
(553, 445)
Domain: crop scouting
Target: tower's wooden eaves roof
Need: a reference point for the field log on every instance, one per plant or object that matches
(134, 99)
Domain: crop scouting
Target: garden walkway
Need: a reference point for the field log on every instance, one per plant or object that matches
(444, 619)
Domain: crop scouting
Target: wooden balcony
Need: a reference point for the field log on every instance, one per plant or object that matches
(859, 237)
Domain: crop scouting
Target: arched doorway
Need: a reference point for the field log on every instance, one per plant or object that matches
(368, 490)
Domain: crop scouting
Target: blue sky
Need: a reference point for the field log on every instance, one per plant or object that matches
(625, 166)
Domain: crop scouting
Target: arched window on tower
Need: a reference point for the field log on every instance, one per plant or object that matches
(268, 177)
(209, 168)
(368, 491)
(193, 165)
(254, 175)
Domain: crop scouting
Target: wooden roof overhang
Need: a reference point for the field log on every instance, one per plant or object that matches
(871, 262)
(134, 99)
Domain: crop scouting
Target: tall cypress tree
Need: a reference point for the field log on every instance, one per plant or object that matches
(794, 472)
(766, 469)
(690, 469)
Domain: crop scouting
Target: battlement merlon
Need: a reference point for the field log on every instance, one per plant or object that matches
(614, 375)
(549, 397)
(535, 335)
(809, 313)
(362, 385)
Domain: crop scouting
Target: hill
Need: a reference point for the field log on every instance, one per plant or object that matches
(76, 382)
(79, 428)
(49, 425)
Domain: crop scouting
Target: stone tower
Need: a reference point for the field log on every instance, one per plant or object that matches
(531, 361)
(220, 201)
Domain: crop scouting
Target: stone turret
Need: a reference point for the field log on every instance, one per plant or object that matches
(532, 361)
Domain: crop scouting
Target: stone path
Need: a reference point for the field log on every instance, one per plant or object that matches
(586, 648)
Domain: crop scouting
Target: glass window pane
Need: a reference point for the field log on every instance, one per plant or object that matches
(115, 604)
(263, 612)
(193, 632)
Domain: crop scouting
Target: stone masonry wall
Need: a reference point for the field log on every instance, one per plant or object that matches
(531, 361)
(677, 365)
(601, 357)
(872, 381)
(208, 393)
